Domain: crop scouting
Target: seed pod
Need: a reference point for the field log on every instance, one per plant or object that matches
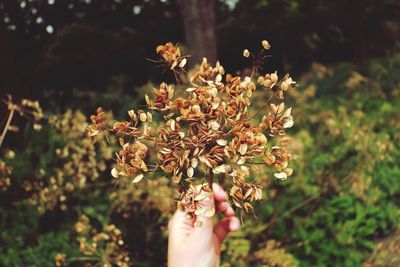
(243, 149)
(143, 117)
(190, 172)
(247, 207)
(172, 125)
(222, 142)
(138, 178)
(288, 171)
(265, 44)
(114, 173)
(182, 63)
(280, 175)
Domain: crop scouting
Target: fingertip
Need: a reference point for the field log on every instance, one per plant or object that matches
(234, 224)
(219, 193)
(229, 212)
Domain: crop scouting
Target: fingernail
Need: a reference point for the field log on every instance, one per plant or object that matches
(234, 225)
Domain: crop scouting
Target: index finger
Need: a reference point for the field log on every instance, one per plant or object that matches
(221, 201)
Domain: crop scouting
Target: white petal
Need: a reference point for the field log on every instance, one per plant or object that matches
(241, 161)
(190, 172)
(138, 178)
(214, 125)
(222, 142)
(243, 149)
(114, 173)
(173, 125)
(280, 175)
(287, 112)
(194, 163)
(182, 63)
(289, 123)
(220, 169)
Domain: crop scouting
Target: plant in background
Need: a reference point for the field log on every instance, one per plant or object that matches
(99, 248)
(26, 108)
(29, 109)
(77, 164)
(158, 195)
(6, 170)
(206, 136)
(272, 254)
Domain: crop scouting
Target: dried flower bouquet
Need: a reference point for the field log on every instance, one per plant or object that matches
(206, 136)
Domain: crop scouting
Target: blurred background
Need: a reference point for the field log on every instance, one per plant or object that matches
(340, 208)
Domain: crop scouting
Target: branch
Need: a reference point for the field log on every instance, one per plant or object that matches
(10, 117)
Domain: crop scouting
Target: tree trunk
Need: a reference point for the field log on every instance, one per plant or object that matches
(200, 29)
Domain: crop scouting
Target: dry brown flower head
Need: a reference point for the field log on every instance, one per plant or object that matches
(207, 134)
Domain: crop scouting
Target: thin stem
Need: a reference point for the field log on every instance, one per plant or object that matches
(211, 179)
(83, 259)
(10, 117)
(262, 108)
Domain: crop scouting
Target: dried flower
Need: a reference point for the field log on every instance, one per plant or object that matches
(209, 132)
(106, 247)
(265, 44)
(172, 55)
(277, 120)
(78, 160)
(60, 260)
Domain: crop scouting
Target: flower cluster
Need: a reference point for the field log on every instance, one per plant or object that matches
(171, 54)
(78, 161)
(105, 248)
(209, 134)
(273, 254)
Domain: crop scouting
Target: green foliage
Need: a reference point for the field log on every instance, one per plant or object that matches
(24, 242)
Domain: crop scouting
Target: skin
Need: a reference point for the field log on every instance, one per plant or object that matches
(189, 245)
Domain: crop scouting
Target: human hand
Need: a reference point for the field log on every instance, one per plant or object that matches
(200, 246)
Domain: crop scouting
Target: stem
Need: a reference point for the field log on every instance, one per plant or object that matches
(211, 179)
(82, 259)
(3, 134)
(263, 107)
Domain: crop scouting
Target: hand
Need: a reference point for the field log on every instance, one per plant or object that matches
(200, 246)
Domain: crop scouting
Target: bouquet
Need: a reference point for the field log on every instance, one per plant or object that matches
(206, 134)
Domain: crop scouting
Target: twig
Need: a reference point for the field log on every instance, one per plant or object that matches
(211, 179)
(10, 117)
(262, 108)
